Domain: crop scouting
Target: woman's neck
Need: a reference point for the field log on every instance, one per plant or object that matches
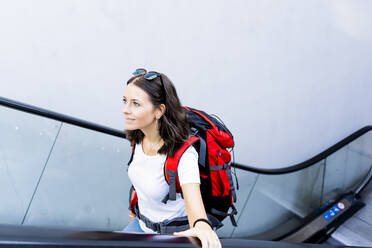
(152, 134)
(152, 147)
(152, 141)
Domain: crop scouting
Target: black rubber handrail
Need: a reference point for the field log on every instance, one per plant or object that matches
(310, 161)
(90, 125)
(54, 237)
(59, 117)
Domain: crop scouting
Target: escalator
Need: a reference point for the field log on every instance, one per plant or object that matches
(61, 172)
(306, 202)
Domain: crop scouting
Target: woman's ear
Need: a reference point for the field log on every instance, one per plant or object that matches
(160, 111)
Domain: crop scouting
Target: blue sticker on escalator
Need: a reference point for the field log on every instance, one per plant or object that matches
(336, 209)
(331, 213)
(326, 216)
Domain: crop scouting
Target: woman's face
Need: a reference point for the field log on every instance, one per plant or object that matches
(138, 110)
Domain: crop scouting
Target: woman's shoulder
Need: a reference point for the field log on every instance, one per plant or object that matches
(190, 153)
(188, 166)
(191, 150)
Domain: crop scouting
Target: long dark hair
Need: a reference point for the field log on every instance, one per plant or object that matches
(174, 128)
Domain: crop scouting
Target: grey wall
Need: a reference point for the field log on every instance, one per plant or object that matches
(290, 78)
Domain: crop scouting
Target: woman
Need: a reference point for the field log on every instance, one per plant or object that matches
(156, 122)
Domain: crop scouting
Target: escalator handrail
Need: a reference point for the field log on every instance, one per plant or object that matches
(103, 129)
(59, 117)
(317, 158)
(58, 237)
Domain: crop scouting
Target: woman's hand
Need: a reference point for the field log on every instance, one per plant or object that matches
(204, 232)
(195, 210)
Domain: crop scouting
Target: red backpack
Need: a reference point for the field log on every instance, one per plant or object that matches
(211, 139)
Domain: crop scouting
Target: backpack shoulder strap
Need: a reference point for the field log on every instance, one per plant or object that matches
(133, 199)
(133, 144)
(171, 167)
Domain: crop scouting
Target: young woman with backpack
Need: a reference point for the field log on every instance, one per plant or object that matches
(157, 127)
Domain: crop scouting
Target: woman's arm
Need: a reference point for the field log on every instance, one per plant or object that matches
(195, 210)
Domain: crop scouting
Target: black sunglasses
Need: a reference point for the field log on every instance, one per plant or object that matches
(150, 76)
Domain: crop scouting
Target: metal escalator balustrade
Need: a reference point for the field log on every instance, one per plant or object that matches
(273, 205)
(58, 174)
(62, 171)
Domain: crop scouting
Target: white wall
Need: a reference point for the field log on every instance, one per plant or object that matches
(290, 78)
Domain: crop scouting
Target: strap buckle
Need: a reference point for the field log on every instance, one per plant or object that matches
(156, 227)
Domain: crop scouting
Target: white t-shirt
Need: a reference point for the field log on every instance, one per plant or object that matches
(147, 176)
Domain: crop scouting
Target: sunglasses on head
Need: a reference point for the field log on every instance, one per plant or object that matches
(150, 76)
(147, 75)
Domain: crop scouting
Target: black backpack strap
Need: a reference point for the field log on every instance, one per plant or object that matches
(172, 186)
(228, 171)
(167, 226)
(174, 225)
(231, 214)
(131, 156)
(202, 152)
(202, 147)
(130, 193)
(215, 222)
